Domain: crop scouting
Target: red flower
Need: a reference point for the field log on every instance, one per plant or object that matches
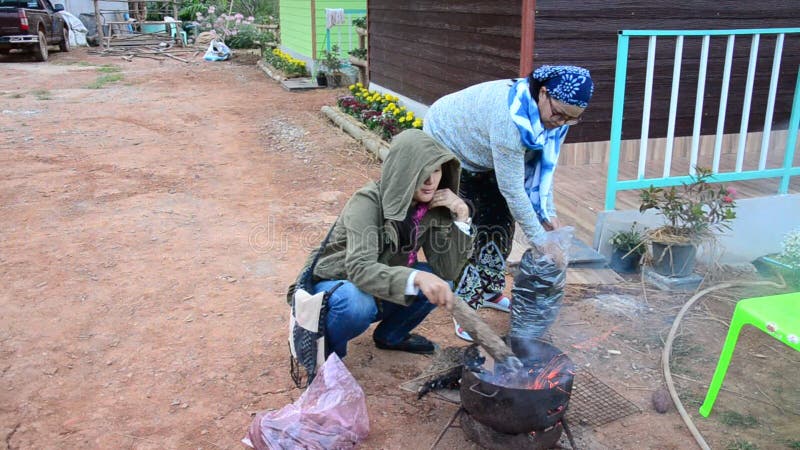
(727, 199)
(731, 191)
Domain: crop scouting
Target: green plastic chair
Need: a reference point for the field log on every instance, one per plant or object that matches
(776, 315)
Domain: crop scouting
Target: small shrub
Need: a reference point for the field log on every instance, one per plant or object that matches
(248, 36)
(331, 60)
(695, 210)
(360, 53)
(360, 22)
(628, 241)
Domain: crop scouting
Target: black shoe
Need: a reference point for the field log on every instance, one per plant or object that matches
(413, 343)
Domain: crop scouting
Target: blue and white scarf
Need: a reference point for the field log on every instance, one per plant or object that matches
(538, 171)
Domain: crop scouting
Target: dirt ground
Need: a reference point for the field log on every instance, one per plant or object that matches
(150, 228)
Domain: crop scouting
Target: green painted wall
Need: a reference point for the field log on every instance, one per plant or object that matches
(339, 32)
(295, 22)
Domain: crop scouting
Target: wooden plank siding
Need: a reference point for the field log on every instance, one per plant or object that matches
(427, 49)
(295, 21)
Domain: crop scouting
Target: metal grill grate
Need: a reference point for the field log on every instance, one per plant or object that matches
(595, 402)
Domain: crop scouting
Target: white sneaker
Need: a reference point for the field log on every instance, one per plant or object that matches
(460, 332)
(497, 301)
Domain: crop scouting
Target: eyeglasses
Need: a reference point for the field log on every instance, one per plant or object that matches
(557, 115)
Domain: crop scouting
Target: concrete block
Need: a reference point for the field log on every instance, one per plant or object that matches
(682, 284)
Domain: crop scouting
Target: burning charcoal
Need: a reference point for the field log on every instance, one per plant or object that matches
(661, 400)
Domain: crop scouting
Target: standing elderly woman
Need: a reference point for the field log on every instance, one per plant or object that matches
(507, 135)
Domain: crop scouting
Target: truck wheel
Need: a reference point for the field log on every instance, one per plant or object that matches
(40, 51)
(64, 44)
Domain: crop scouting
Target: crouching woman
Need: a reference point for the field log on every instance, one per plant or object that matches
(372, 251)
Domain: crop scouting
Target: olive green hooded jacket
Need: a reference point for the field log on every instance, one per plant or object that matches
(363, 246)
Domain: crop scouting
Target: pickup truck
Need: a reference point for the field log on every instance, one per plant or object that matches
(32, 25)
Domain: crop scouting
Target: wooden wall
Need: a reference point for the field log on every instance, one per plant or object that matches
(585, 33)
(426, 49)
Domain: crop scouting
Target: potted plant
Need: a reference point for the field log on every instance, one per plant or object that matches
(629, 246)
(787, 262)
(322, 80)
(333, 66)
(693, 213)
(360, 24)
(358, 56)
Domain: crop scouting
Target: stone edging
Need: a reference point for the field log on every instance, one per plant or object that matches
(271, 72)
(358, 131)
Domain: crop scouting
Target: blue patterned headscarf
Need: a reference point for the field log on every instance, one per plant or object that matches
(568, 84)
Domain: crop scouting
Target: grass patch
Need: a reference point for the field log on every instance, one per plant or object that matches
(741, 444)
(42, 94)
(73, 63)
(734, 419)
(100, 82)
(108, 68)
(794, 445)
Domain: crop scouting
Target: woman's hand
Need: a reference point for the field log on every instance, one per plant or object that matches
(552, 224)
(448, 199)
(436, 290)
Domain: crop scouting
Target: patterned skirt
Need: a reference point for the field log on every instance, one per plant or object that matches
(485, 273)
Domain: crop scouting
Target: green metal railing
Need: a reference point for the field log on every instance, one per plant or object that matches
(785, 172)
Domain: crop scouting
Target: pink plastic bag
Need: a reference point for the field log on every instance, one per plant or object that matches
(331, 414)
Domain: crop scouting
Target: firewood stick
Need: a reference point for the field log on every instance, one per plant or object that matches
(484, 335)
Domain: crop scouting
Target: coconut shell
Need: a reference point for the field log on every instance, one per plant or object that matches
(661, 400)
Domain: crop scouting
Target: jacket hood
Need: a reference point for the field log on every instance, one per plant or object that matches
(413, 156)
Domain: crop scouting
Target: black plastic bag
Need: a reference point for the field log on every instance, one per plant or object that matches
(539, 285)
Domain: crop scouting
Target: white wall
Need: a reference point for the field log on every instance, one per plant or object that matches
(758, 229)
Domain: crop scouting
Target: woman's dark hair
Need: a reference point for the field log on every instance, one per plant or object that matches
(535, 86)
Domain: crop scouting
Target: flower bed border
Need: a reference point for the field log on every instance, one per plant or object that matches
(358, 131)
(271, 71)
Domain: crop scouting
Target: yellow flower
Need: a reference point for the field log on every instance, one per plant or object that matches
(359, 84)
(402, 120)
(351, 87)
(417, 123)
(391, 106)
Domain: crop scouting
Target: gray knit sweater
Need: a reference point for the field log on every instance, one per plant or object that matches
(475, 124)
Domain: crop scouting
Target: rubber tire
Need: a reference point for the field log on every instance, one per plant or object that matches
(40, 50)
(64, 44)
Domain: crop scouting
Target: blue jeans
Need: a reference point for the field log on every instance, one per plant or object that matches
(351, 311)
